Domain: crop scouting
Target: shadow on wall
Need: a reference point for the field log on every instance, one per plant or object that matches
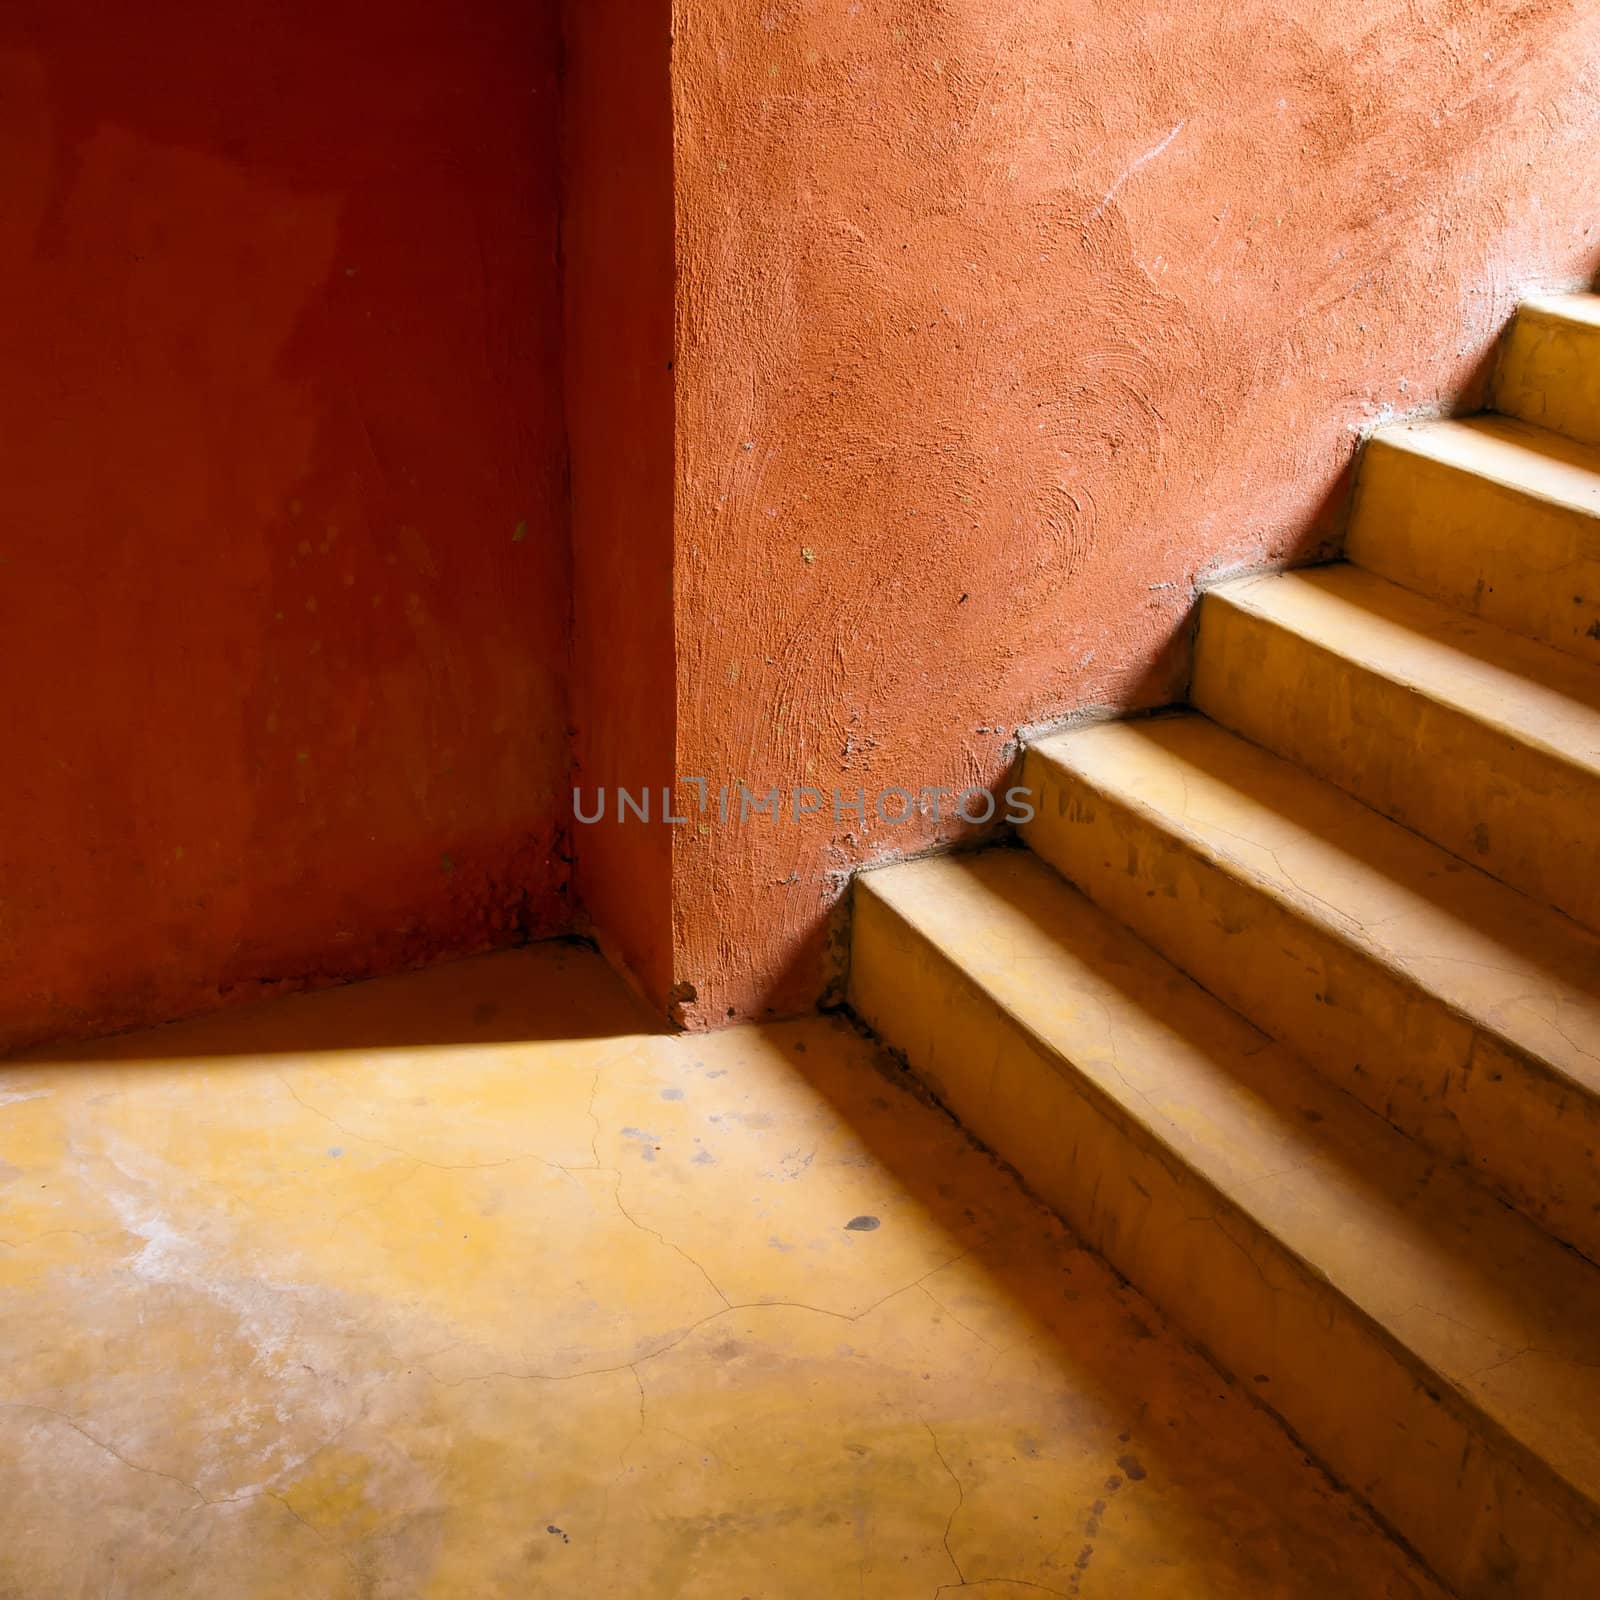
(820, 944)
(823, 944)
(1003, 323)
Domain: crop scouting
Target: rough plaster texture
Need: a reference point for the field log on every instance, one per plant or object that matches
(1003, 322)
(282, 573)
(918, 360)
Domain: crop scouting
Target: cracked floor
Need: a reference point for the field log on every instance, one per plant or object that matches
(473, 1284)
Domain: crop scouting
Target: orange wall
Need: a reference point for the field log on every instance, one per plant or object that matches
(283, 580)
(1002, 322)
(918, 358)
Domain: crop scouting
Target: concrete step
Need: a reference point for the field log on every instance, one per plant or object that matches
(1463, 1012)
(1494, 517)
(1437, 1351)
(1484, 742)
(1549, 368)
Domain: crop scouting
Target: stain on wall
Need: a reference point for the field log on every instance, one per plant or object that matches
(283, 573)
(1001, 323)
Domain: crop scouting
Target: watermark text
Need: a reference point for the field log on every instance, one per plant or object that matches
(692, 800)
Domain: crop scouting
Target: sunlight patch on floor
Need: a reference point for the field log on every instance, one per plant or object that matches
(472, 1283)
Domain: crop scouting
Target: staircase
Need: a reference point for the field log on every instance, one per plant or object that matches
(1291, 1006)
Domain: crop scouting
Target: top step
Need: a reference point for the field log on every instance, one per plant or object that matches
(1549, 371)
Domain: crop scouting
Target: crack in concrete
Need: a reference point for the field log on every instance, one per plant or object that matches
(411, 1155)
(337, 1546)
(203, 1500)
(382, 1199)
(1011, 1583)
(48, 1233)
(1347, 918)
(678, 1249)
(965, 1327)
(1113, 1044)
(1238, 1244)
(955, 1510)
(684, 1333)
(594, 1119)
(112, 1451)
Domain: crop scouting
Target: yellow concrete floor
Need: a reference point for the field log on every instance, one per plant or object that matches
(472, 1284)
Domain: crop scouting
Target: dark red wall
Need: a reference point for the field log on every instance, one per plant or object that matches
(617, 237)
(283, 571)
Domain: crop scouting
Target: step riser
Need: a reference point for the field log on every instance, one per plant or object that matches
(1507, 805)
(1474, 1098)
(1466, 1503)
(1549, 374)
(1442, 531)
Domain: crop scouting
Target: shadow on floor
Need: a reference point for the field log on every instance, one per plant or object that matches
(556, 989)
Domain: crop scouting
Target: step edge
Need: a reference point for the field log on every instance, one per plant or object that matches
(1389, 440)
(1234, 594)
(1552, 308)
(1309, 908)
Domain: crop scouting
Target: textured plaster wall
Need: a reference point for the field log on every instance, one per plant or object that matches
(283, 575)
(919, 358)
(1001, 323)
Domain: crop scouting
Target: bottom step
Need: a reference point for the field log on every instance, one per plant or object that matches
(1434, 1349)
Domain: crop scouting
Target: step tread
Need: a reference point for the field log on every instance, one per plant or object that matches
(1513, 967)
(1581, 307)
(1528, 691)
(1473, 1294)
(1516, 455)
